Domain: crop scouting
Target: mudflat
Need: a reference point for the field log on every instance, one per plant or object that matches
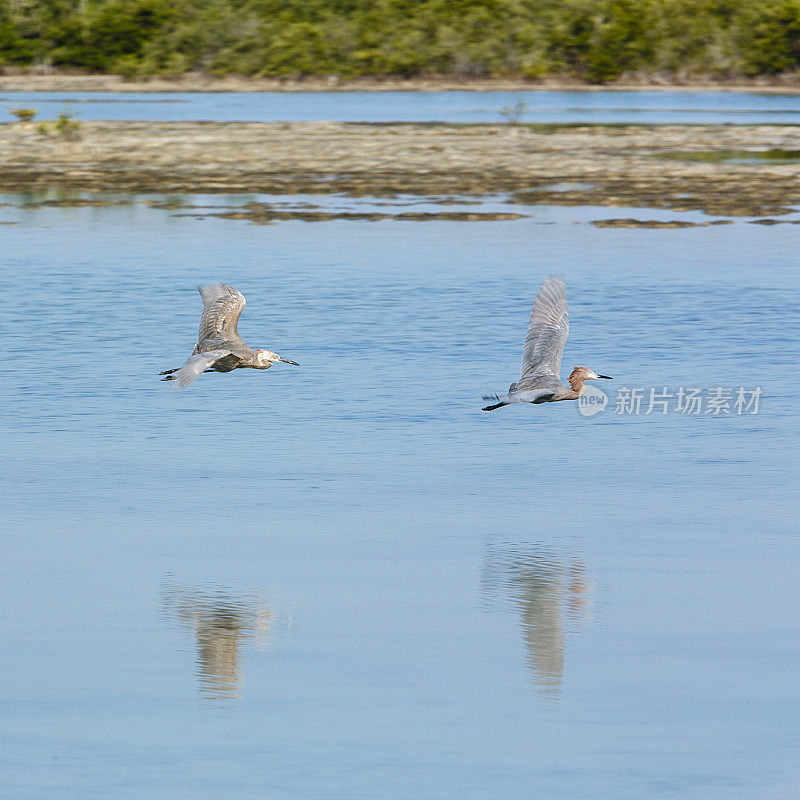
(748, 170)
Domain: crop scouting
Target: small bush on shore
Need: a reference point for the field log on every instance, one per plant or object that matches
(23, 114)
(65, 126)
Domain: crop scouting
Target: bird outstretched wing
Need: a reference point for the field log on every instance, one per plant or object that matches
(196, 366)
(222, 306)
(547, 331)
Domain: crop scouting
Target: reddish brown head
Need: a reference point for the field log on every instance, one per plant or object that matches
(581, 374)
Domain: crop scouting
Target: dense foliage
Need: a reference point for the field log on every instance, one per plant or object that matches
(598, 40)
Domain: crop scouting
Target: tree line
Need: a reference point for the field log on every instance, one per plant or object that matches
(595, 40)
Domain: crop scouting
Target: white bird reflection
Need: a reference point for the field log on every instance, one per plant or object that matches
(550, 593)
(221, 625)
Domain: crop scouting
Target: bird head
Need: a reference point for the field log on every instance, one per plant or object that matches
(265, 359)
(586, 374)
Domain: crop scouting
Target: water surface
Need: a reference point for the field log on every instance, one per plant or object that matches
(590, 107)
(320, 582)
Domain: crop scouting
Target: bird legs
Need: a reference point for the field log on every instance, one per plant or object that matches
(499, 404)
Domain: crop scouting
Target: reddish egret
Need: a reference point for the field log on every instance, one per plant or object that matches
(539, 380)
(219, 347)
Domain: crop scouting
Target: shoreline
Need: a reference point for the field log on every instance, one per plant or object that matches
(61, 82)
(633, 165)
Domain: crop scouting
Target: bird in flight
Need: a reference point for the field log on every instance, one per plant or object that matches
(219, 347)
(539, 380)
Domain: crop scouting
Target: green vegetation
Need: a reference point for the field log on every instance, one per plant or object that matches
(597, 40)
(776, 155)
(23, 114)
(65, 126)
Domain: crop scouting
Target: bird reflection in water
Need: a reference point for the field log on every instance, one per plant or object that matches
(551, 594)
(222, 625)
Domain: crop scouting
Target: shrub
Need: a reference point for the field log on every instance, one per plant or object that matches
(67, 127)
(23, 114)
(770, 37)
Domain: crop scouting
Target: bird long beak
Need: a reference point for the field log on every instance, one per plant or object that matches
(607, 377)
(286, 361)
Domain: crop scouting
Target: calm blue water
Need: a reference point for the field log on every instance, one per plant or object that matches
(344, 580)
(699, 107)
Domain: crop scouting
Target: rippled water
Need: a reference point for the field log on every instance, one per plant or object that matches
(344, 580)
(700, 107)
